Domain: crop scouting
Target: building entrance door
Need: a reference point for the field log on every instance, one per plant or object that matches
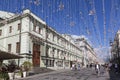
(71, 63)
(36, 55)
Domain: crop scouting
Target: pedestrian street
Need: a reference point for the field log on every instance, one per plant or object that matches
(84, 74)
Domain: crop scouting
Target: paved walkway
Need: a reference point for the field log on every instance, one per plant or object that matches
(84, 74)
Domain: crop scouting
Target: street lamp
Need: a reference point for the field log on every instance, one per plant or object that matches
(111, 44)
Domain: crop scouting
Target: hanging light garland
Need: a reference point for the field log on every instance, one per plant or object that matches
(37, 2)
(111, 20)
(91, 12)
(69, 15)
(61, 6)
(42, 5)
(30, 1)
(86, 19)
(23, 5)
(30, 4)
(88, 22)
(96, 23)
(104, 22)
(72, 23)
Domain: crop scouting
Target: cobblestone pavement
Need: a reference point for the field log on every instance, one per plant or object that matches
(84, 74)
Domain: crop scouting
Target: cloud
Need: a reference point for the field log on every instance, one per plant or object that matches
(76, 36)
(82, 36)
(103, 52)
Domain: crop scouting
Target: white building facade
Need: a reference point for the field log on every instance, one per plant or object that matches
(89, 55)
(29, 36)
(115, 48)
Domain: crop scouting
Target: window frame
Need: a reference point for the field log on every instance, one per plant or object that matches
(17, 47)
(9, 47)
(0, 32)
(19, 26)
(10, 29)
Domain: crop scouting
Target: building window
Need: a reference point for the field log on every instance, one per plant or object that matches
(18, 47)
(53, 38)
(9, 47)
(58, 40)
(50, 63)
(0, 32)
(19, 26)
(39, 30)
(47, 36)
(34, 27)
(47, 51)
(10, 29)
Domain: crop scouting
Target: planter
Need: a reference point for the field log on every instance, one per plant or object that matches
(4, 76)
(24, 74)
(11, 75)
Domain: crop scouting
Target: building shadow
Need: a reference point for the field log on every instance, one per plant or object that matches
(114, 75)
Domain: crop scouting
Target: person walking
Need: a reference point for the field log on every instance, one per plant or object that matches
(109, 66)
(97, 68)
(116, 68)
(78, 67)
(73, 67)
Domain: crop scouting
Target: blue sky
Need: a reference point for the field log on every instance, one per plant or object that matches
(75, 17)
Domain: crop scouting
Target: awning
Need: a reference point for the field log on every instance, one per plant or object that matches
(7, 55)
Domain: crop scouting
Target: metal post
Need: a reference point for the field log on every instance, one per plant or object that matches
(110, 51)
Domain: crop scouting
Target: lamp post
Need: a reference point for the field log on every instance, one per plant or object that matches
(110, 51)
(20, 38)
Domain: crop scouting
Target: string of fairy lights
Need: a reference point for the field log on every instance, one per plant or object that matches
(71, 16)
(104, 22)
(111, 21)
(93, 14)
(92, 19)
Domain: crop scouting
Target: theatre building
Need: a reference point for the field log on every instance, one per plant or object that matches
(27, 35)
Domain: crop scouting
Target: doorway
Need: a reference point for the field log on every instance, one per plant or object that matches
(36, 55)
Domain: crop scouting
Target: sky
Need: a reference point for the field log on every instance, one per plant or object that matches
(97, 20)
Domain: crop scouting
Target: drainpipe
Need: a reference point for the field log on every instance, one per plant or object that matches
(20, 38)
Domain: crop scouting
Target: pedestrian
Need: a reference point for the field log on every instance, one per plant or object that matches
(73, 67)
(91, 65)
(109, 66)
(87, 66)
(78, 66)
(116, 68)
(97, 68)
(106, 66)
